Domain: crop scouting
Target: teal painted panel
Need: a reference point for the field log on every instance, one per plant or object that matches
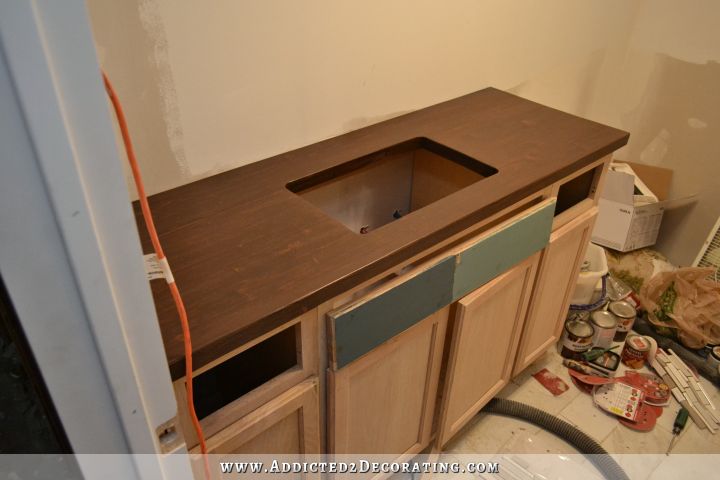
(493, 255)
(359, 330)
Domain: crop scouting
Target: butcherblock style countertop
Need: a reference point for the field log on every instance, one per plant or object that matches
(249, 255)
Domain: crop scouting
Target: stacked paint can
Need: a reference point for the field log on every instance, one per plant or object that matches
(605, 324)
(625, 314)
(576, 339)
(713, 358)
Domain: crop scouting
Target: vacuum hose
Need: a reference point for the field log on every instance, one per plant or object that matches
(585, 444)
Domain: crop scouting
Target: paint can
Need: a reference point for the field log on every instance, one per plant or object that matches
(605, 324)
(577, 339)
(625, 314)
(635, 351)
(713, 358)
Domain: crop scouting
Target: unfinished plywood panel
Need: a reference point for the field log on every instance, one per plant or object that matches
(559, 268)
(384, 401)
(485, 335)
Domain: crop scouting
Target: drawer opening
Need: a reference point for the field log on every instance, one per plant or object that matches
(577, 189)
(237, 376)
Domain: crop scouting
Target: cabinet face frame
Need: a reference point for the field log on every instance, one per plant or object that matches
(307, 351)
(339, 384)
(301, 399)
(523, 272)
(600, 167)
(547, 287)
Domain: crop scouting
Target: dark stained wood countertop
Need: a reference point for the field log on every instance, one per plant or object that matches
(249, 255)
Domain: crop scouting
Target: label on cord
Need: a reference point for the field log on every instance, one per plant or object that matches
(153, 269)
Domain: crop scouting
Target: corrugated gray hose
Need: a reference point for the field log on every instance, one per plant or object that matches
(585, 444)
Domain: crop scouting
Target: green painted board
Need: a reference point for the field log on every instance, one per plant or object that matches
(495, 254)
(362, 328)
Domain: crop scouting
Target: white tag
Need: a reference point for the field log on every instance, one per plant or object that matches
(166, 270)
(152, 267)
(155, 268)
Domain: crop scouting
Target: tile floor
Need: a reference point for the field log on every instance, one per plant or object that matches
(494, 434)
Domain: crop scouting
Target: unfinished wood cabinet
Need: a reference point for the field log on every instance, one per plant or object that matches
(234, 385)
(385, 348)
(579, 192)
(286, 425)
(384, 401)
(559, 268)
(485, 334)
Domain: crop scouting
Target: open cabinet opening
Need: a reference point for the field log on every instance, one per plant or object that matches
(246, 371)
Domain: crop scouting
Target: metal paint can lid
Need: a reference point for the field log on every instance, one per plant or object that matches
(579, 328)
(715, 352)
(638, 342)
(603, 319)
(622, 309)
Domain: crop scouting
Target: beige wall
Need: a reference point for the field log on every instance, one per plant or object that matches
(665, 89)
(209, 86)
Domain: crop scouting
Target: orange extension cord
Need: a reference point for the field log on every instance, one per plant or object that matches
(150, 225)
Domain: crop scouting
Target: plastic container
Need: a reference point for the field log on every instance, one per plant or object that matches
(594, 267)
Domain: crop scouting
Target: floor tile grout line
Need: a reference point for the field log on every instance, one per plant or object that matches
(612, 430)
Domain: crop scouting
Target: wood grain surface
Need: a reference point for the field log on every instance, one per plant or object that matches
(248, 254)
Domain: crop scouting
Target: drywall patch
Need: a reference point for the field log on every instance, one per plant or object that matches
(151, 20)
(570, 86)
(676, 124)
(696, 123)
(127, 49)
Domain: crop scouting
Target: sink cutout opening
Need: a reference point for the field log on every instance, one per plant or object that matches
(366, 193)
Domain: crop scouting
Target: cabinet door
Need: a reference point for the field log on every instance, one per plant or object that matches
(485, 335)
(384, 401)
(287, 424)
(559, 269)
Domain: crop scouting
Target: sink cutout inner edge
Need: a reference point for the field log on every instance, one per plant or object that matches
(373, 190)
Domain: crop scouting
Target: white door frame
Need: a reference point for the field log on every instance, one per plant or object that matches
(69, 251)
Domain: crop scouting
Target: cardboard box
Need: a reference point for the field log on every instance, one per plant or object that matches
(629, 217)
